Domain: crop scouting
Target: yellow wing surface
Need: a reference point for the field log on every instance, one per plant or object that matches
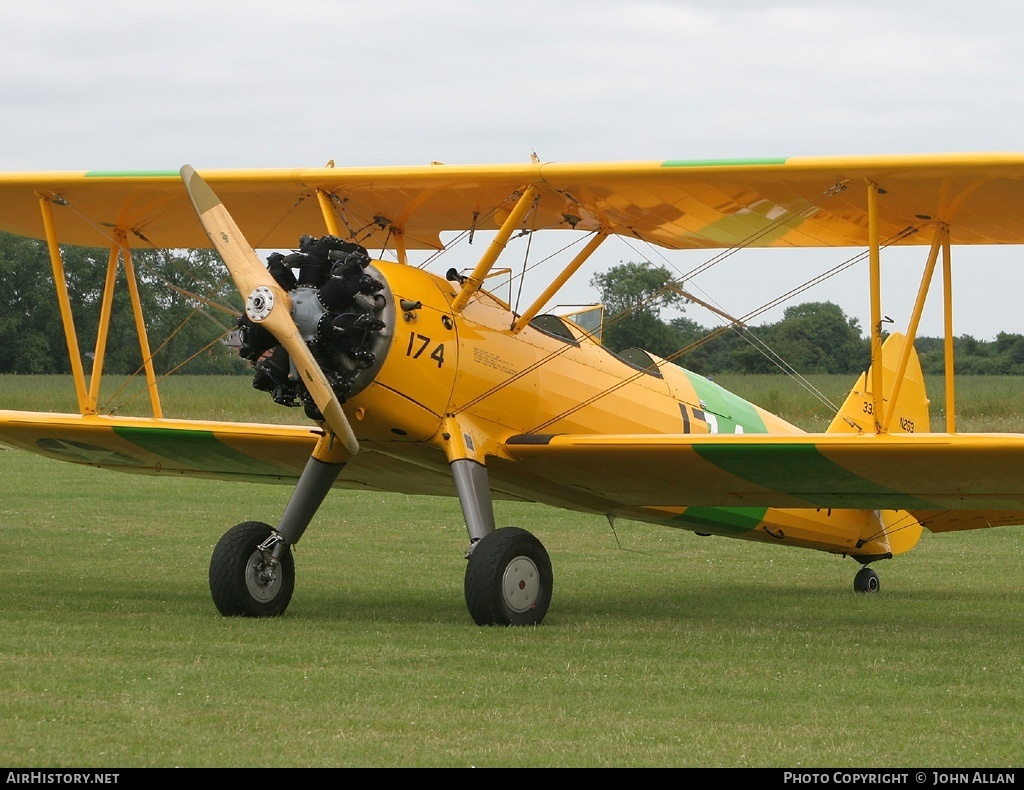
(949, 482)
(794, 202)
(204, 449)
(957, 481)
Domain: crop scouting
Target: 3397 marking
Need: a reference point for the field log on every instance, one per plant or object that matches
(419, 343)
(907, 425)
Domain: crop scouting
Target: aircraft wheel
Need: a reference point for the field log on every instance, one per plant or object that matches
(242, 580)
(866, 581)
(508, 579)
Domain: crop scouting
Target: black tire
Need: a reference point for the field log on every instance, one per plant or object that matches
(508, 579)
(241, 582)
(866, 581)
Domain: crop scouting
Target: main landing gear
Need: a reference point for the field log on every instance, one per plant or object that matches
(508, 571)
(508, 579)
(245, 577)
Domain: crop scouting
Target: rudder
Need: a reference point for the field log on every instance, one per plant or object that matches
(911, 413)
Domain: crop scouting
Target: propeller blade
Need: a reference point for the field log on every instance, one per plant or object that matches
(266, 302)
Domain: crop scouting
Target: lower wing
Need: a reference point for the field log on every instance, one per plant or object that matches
(948, 481)
(213, 450)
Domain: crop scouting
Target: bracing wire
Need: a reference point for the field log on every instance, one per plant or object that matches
(721, 330)
(660, 294)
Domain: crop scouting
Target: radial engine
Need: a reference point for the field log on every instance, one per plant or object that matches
(343, 308)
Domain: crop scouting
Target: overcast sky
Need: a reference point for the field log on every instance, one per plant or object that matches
(143, 85)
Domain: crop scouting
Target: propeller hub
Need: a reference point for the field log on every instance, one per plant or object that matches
(259, 304)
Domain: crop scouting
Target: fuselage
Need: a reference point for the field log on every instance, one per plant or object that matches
(472, 375)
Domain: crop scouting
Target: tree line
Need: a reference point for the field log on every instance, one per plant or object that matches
(185, 331)
(813, 337)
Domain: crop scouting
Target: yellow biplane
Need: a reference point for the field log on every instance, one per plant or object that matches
(424, 384)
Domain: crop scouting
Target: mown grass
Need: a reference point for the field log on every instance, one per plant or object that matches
(661, 648)
(186, 397)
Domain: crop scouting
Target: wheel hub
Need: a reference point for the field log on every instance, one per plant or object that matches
(261, 578)
(520, 584)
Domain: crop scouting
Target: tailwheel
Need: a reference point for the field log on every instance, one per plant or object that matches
(866, 581)
(508, 579)
(245, 579)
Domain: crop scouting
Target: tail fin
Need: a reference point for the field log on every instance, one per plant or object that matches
(911, 412)
(899, 531)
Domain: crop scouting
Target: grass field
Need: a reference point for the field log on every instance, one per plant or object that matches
(661, 648)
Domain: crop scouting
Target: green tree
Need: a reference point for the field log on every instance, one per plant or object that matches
(633, 295)
(178, 326)
(1009, 352)
(700, 352)
(184, 331)
(30, 329)
(813, 337)
(817, 337)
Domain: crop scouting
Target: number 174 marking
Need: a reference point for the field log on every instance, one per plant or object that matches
(419, 343)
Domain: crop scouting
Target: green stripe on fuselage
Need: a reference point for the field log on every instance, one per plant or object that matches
(802, 471)
(731, 410)
(196, 450)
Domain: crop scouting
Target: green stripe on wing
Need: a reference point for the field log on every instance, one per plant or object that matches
(801, 470)
(196, 449)
(772, 160)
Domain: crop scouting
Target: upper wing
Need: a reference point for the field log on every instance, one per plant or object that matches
(950, 482)
(800, 202)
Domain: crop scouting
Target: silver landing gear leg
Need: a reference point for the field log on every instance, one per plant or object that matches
(474, 490)
(508, 571)
(311, 490)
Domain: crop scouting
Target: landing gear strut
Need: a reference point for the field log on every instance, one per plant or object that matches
(252, 572)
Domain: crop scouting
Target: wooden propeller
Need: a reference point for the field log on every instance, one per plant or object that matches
(267, 303)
